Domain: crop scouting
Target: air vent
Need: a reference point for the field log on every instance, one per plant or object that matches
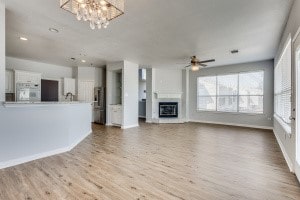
(235, 51)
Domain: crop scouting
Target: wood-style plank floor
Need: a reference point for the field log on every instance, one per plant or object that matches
(175, 161)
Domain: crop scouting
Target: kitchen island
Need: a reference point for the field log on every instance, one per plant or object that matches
(30, 131)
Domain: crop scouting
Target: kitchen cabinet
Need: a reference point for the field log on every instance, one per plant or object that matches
(116, 114)
(69, 86)
(86, 90)
(9, 81)
(27, 77)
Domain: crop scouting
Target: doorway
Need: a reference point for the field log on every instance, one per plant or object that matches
(142, 94)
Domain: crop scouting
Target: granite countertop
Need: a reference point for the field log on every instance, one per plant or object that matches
(26, 103)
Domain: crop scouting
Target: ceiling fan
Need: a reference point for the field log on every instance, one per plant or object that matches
(196, 64)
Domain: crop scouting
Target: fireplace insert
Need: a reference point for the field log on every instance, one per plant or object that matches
(168, 109)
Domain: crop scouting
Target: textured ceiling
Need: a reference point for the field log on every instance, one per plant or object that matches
(154, 33)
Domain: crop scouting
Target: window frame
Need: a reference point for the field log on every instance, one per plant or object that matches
(237, 95)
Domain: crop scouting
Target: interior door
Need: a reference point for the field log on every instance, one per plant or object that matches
(297, 104)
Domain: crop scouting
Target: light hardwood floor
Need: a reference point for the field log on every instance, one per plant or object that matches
(184, 161)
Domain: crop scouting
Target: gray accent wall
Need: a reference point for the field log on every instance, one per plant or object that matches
(2, 51)
(264, 120)
(150, 76)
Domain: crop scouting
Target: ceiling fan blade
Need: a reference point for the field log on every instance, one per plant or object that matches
(203, 65)
(187, 66)
(206, 61)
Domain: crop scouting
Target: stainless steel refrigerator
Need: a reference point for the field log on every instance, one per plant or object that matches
(100, 106)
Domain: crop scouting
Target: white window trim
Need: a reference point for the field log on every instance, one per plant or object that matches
(287, 127)
(238, 86)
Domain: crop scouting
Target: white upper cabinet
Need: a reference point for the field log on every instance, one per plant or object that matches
(69, 86)
(27, 77)
(9, 81)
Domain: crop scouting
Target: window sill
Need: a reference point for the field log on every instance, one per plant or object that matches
(286, 127)
(232, 113)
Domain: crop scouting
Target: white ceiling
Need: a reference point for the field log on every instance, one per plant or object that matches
(159, 33)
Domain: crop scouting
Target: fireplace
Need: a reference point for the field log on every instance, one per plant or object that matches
(168, 109)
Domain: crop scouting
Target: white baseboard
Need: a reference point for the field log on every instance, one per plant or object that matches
(232, 124)
(130, 126)
(285, 155)
(26, 159)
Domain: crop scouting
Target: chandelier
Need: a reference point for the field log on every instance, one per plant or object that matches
(97, 12)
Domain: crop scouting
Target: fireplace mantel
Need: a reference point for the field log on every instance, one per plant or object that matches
(168, 95)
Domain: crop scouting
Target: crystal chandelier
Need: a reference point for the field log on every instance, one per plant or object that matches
(97, 12)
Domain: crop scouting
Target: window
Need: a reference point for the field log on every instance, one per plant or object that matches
(227, 93)
(207, 90)
(283, 84)
(251, 91)
(241, 92)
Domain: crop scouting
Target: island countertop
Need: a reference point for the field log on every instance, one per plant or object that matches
(40, 103)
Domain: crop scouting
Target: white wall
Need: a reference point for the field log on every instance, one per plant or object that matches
(162, 81)
(252, 120)
(2, 51)
(168, 80)
(130, 82)
(288, 142)
(130, 94)
(49, 71)
(86, 73)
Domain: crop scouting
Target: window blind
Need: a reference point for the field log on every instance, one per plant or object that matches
(283, 84)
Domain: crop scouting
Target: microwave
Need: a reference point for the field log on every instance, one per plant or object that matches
(30, 92)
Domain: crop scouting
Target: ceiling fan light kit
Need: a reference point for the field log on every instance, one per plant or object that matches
(195, 68)
(98, 12)
(196, 64)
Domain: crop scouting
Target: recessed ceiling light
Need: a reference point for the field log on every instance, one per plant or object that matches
(104, 8)
(83, 61)
(102, 2)
(53, 30)
(23, 38)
